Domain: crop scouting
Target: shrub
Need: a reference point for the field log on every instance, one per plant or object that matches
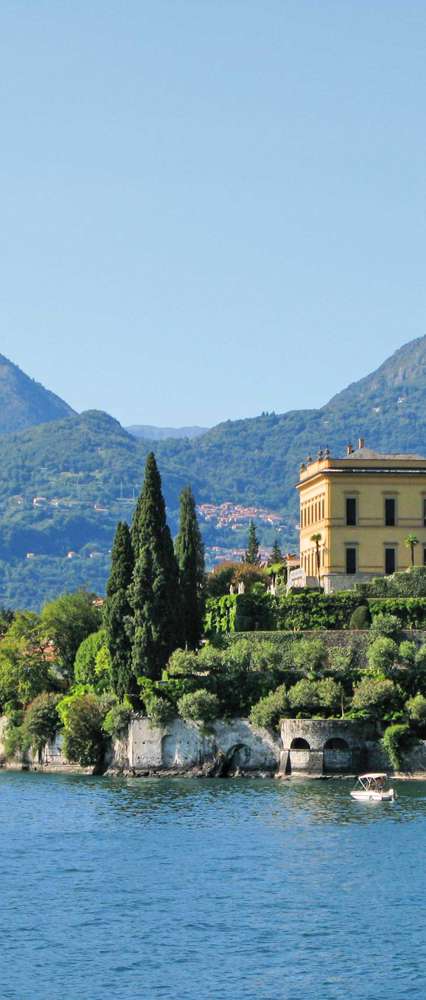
(15, 739)
(410, 611)
(304, 697)
(85, 660)
(407, 652)
(198, 706)
(158, 710)
(117, 718)
(385, 625)
(395, 738)
(311, 610)
(382, 655)
(309, 656)
(329, 695)
(41, 720)
(84, 738)
(360, 618)
(416, 708)
(375, 699)
(268, 711)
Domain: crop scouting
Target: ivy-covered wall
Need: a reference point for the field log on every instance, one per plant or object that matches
(305, 611)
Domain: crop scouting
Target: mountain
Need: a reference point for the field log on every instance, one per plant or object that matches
(160, 433)
(24, 402)
(64, 485)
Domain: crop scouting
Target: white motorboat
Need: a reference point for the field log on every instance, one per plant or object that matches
(372, 788)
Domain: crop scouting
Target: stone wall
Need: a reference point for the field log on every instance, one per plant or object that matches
(182, 746)
(332, 746)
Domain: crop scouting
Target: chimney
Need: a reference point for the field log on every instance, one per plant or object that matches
(361, 442)
(349, 449)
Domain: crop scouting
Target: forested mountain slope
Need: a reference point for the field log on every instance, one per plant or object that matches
(64, 485)
(24, 402)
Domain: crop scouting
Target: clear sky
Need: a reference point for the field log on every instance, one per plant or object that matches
(210, 208)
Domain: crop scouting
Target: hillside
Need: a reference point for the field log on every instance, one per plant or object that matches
(161, 433)
(24, 402)
(64, 485)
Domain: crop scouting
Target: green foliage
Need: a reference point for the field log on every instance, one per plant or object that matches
(311, 610)
(117, 718)
(382, 655)
(276, 553)
(219, 580)
(240, 613)
(199, 706)
(15, 740)
(84, 738)
(410, 611)
(407, 652)
(395, 739)
(403, 584)
(158, 710)
(309, 656)
(24, 673)
(308, 696)
(154, 592)
(252, 554)
(268, 711)
(376, 699)
(303, 697)
(88, 458)
(360, 618)
(66, 621)
(41, 720)
(416, 708)
(384, 624)
(85, 669)
(117, 612)
(190, 558)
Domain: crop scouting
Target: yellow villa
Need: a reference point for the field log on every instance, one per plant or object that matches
(361, 508)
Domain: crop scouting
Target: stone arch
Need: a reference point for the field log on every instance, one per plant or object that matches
(236, 758)
(337, 754)
(336, 743)
(299, 743)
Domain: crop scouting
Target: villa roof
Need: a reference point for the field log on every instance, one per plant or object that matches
(368, 453)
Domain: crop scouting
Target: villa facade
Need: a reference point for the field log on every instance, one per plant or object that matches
(361, 508)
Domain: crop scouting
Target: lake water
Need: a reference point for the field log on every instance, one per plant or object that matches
(197, 889)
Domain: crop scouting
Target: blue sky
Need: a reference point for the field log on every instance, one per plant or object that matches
(210, 208)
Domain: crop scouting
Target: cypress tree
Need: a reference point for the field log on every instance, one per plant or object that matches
(276, 554)
(154, 592)
(252, 553)
(117, 612)
(189, 550)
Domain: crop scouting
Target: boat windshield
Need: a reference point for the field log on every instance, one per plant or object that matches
(372, 781)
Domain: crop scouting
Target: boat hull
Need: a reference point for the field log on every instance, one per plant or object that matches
(365, 796)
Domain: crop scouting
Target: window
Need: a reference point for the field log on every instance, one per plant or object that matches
(350, 510)
(389, 511)
(424, 512)
(351, 560)
(424, 556)
(390, 561)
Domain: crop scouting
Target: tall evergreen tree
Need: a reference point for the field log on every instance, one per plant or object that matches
(276, 554)
(189, 550)
(117, 612)
(252, 554)
(154, 594)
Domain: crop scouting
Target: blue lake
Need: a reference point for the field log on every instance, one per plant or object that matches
(195, 889)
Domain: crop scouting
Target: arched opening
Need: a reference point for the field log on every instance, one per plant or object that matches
(336, 743)
(237, 758)
(299, 744)
(337, 755)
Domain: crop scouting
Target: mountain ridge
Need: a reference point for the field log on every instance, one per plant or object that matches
(65, 484)
(25, 402)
